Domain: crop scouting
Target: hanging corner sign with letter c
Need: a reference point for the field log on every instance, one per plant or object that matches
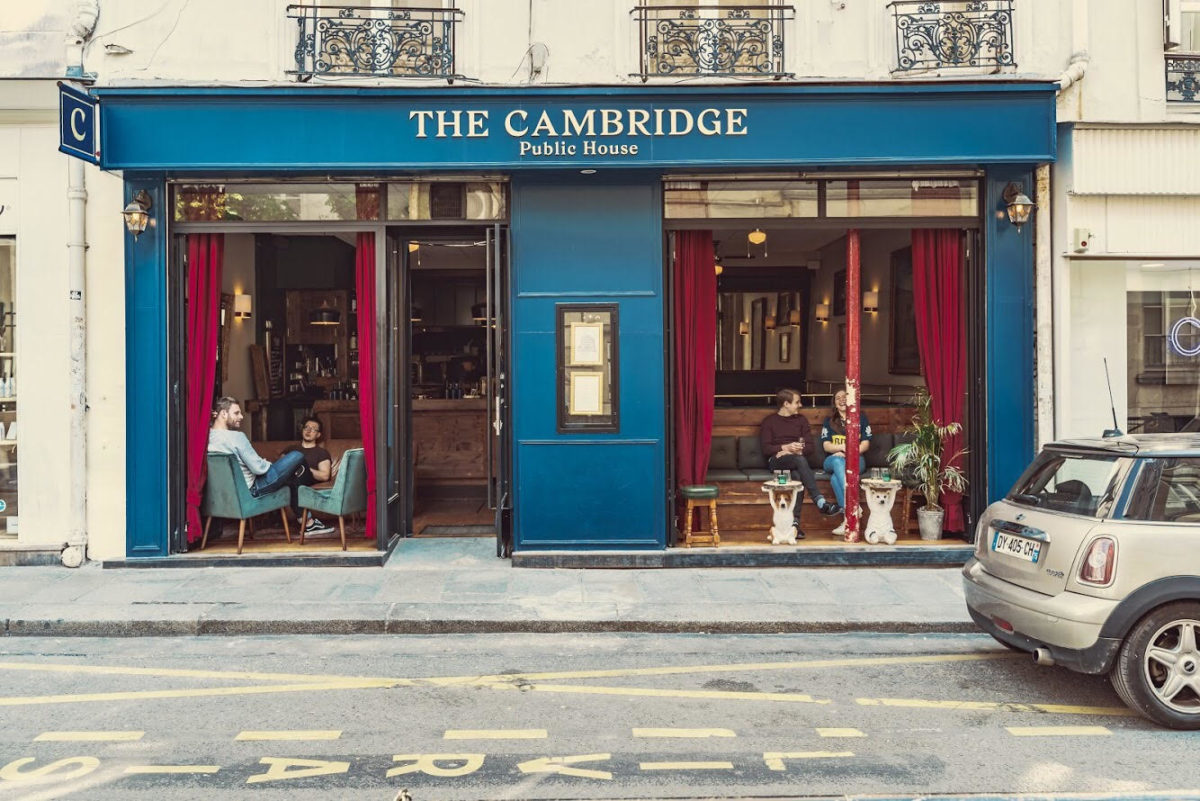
(78, 124)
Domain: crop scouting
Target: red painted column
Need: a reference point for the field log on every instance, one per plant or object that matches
(853, 338)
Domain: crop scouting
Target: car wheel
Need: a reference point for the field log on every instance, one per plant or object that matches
(1157, 672)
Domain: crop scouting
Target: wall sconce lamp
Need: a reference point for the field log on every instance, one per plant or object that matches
(822, 312)
(242, 307)
(769, 322)
(794, 317)
(744, 328)
(137, 213)
(871, 302)
(1018, 204)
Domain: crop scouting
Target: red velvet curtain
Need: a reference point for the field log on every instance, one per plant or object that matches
(205, 255)
(695, 353)
(364, 284)
(937, 301)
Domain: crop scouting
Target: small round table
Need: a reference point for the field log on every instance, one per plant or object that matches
(783, 509)
(881, 496)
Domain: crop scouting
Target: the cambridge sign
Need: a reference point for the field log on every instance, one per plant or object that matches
(565, 132)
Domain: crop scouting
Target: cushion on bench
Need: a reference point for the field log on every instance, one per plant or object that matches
(723, 454)
(749, 453)
(724, 475)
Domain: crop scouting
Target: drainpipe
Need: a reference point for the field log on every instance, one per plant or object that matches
(82, 26)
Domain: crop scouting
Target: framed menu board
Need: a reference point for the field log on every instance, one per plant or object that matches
(587, 385)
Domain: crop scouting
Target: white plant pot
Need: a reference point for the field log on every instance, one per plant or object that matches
(929, 523)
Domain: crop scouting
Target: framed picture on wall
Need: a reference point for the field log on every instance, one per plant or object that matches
(785, 348)
(841, 342)
(904, 357)
(839, 293)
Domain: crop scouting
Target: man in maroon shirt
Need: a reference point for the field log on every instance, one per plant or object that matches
(785, 437)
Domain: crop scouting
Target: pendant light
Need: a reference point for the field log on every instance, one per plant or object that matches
(324, 315)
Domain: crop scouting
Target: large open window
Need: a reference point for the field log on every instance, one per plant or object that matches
(778, 248)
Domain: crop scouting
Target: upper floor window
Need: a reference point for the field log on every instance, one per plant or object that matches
(961, 34)
(1181, 35)
(384, 38)
(712, 38)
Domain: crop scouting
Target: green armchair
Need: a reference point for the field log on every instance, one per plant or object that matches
(226, 495)
(347, 495)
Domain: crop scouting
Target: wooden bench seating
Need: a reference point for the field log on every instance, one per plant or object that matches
(738, 467)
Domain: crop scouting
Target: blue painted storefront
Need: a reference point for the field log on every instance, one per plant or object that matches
(577, 238)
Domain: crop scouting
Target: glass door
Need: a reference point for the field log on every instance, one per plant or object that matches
(398, 514)
(499, 440)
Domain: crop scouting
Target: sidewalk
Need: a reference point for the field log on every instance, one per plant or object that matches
(459, 586)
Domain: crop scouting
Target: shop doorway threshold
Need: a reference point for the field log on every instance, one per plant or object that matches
(311, 556)
(940, 554)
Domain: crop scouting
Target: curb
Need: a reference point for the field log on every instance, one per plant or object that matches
(199, 627)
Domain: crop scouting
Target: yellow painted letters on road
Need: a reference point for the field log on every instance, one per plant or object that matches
(58, 771)
(437, 764)
(279, 768)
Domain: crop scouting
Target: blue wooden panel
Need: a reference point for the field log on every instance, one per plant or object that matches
(590, 493)
(1010, 341)
(331, 128)
(579, 239)
(146, 398)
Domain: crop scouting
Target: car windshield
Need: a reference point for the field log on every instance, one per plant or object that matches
(1067, 482)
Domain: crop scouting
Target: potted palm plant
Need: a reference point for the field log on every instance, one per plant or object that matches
(920, 464)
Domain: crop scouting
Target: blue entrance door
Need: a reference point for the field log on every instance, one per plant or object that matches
(584, 239)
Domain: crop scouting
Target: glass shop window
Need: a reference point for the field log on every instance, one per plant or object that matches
(446, 200)
(276, 202)
(739, 199)
(907, 198)
(1163, 347)
(8, 389)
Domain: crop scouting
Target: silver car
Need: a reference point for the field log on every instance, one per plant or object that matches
(1092, 562)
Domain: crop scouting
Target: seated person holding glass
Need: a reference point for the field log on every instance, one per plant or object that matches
(833, 442)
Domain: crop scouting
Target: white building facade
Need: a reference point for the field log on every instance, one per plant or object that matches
(1126, 240)
(524, 48)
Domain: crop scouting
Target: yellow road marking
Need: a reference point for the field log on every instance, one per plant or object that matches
(731, 668)
(587, 689)
(840, 733)
(996, 706)
(565, 766)
(774, 759)
(172, 768)
(495, 734)
(190, 674)
(686, 765)
(290, 734)
(139, 695)
(1057, 731)
(693, 733)
(89, 736)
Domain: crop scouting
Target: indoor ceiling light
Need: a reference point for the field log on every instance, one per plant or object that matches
(413, 247)
(757, 237)
(324, 315)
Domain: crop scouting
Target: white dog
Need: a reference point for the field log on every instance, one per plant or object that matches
(879, 520)
(783, 532)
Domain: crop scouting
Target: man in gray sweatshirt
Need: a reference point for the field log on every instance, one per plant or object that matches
(225, 436)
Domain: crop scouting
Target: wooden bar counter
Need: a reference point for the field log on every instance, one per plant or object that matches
(450, 440)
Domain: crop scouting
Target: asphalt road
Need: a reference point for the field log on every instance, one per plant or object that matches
(564, 716)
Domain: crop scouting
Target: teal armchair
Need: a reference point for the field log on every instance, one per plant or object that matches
(347, 495)
(226, 495)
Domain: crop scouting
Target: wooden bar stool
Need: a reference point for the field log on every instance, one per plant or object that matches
(700, 496)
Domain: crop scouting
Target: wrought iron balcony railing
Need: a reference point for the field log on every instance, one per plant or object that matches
(375, 42)
(710, 41)
(1183, 78)
(963, 34)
